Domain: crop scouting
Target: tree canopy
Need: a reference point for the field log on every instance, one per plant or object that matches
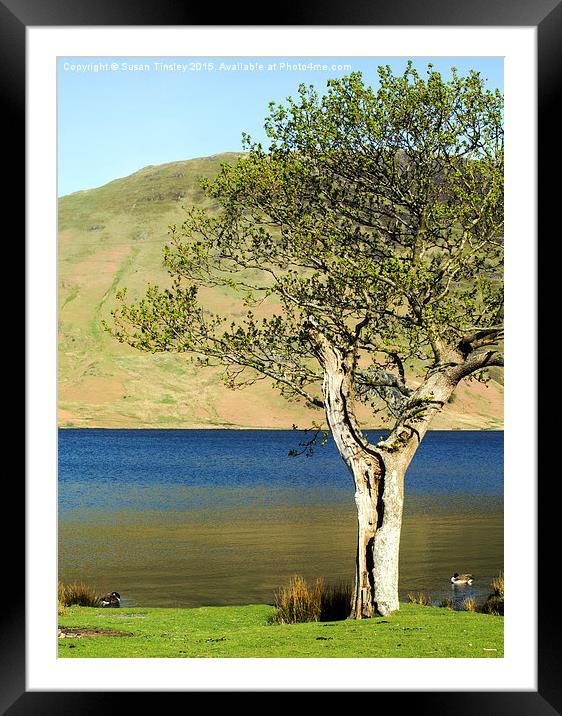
(375, 219)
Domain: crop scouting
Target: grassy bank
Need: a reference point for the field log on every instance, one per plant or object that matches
(242, 632)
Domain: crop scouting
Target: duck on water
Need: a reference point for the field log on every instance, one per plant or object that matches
(462, 578)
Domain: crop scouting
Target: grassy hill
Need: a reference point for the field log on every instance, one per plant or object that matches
(111, 237)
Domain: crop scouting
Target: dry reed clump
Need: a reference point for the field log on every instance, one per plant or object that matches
(447, 603)
(300, 602)
(420, 598)
(61, 605)
(77, 593)
(470, 604)
(494, 603)
(497, 586)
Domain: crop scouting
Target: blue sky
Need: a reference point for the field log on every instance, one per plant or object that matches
(119, 114)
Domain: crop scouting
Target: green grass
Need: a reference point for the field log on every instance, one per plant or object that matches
(121, 272)
(244, 632)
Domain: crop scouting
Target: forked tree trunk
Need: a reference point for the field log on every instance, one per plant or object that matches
(368, 476)
(378, 495)
(378, 474)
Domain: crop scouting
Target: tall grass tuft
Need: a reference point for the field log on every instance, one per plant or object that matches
(497, 586)
(420, 598)
(470, 604)
(494, 603)
(447, 603)
(298, 602)
(78, 593)
(301, 602)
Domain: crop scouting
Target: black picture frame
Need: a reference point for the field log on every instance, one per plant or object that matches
(546, 16)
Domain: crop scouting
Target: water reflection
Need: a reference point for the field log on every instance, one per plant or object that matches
(194, 517)
(241, 556)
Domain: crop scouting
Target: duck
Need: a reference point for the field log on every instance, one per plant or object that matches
(113, 599)
(462, 578)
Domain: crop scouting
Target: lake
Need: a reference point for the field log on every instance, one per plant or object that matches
(217, 517)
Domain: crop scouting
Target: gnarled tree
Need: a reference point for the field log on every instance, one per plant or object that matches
(375, 221)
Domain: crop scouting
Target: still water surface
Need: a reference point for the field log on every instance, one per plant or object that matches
(212, 517)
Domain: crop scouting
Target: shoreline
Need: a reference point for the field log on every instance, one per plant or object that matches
(238, 428)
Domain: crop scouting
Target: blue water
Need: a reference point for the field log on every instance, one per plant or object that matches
(160, 515)
(447, 462)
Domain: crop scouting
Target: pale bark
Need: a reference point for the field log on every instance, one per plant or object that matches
(363, 463)
(378, 470)
(379, 494)
(397, 452)
(386, 547)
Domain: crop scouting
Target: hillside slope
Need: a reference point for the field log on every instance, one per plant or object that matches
(111, 237)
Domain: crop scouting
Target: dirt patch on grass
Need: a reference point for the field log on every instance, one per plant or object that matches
(91, 390)
(79, 632)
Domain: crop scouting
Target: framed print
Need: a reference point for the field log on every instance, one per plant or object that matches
(125, 109)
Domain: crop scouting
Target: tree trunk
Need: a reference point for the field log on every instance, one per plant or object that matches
(378, 473)
(368, 477)
(386, 547)
(379, 496)
(396, 453)
(379, 491)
